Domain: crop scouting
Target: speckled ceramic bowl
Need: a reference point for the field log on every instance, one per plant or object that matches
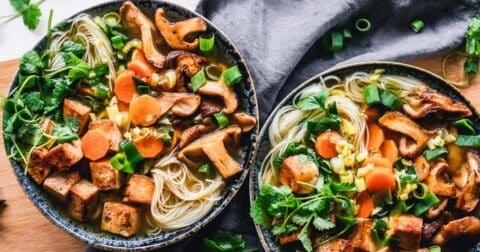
(91, 234)
(431, 79)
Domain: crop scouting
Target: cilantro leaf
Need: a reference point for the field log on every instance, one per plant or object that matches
(31, 16)
(19, 5)
(32, 101)
(66, 132)
(76, 48)
(31, 63)
(471, 66)
(313, 102)
(226, 242)
(284, 229)
(305, 239)
(258, 214)
(322, 224)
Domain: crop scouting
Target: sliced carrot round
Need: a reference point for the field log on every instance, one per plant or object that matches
(144, 110)
(139, 68)
(380, 179)
(372, 113)
(389, 150)
(375, 137)
(149, 146)
(95, 144)
(378, 161)
(365, 204)
(125, 88)
(325, 144)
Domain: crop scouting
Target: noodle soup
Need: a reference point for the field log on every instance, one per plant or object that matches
(133, 124)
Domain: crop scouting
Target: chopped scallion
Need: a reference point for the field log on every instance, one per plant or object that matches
(465, 126)
(222, 120)
(363, 24)
(390, 100)
(232, 75)
(198, 80)
(143, 89)
(432, 154)
(117, 42)
(207, 44)
(131, 152)
(112, 19)
(417, 25)
(346, 33)
(213, 72)
(435, 249)
(371, 94)
(421, 191)
(427, 202)
(207, 171)
(101, 91)
(468, 140)
(332, 41)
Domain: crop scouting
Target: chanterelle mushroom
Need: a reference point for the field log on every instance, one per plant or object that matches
(466, 227)
(212, 146)
(400, 123)
(470, 195)
(245, 121)
(187, 64)
(219, 88)
(174, 34)
(181, 104)
(194, 132)
(430, 101)
(141, 26)
(438, 181)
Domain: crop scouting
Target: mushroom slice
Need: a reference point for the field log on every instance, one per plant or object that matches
(212, 146)
(181, 104)
(438, 181)
(194, 132)
(219, 88)
(438, 209)
(464, 228)
(174, 34)
(470, 195)
(141, 26)
(245, 121)
(187, 64)
(400, 123)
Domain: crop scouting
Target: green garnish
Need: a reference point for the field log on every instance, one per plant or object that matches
(207, 171)
(221, 119)
(435, 153)
(131, 152)
(371, 94)
(101, 91)
(346, 33)
(313, 102)
(297, 148)
(468, 140)
(465, 126)
(67, 132)
(119, 161)
(207, 44)
(198, 80)
(379, 230)
(333, 41)
(417, 25)
(213, 72)
(472, 46)
(435, 249)
(390, 100)
(232, 75)
(363, 25)
(227, 242)
(426, 203)
(29, 12)
(117, 42)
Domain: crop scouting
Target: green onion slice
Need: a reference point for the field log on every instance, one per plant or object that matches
(421, 191)
(232, 75)
(101, 91)
(371, 94)
(120, 162)
(417, 25)
(332, 41)
(363, 25)
(133, 155)
(117, 42)
(435, 249)
(465, 126)
(468, 140)
(207, 171)
(207, 44)
(213, 72)
(222, 120)
(346, 33)
(427, 202)
(432, 154)
(390, 100)
(112, 19)
(198, 80)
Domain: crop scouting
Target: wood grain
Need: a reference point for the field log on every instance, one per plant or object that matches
(23, 228)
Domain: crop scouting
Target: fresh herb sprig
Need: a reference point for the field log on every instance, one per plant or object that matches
(472, 46)
(30, 12)
(226, 241)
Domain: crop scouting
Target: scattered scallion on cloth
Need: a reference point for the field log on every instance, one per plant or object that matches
(363, 25)
(417, 25)
(333, 41)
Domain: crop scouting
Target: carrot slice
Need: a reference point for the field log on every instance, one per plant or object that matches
(138, 55)
(380, 179)
(378, 161)
(389, 150)
(365, 204)
(372, 113)
(149, 146)
(125, 88)
(325, 144)
(423, 168)
(140, 69)
(95, 144)
(122, 106)
(144, 110)
(376, 137)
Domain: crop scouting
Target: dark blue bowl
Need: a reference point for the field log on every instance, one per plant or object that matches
(434, 81)
(91, 234)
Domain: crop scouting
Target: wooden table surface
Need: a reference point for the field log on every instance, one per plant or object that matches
(23, 228)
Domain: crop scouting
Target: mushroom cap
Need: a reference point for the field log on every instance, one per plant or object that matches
(220, 89)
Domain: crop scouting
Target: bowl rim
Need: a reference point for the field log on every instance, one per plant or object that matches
(252, 177)
(217, 209)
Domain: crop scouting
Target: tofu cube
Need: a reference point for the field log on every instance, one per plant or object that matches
(361, 237)
(64, 155)
(139, 190)
(407, 229)
(38, 169)
(78, 110)
(297, 170)
(120, 219)
(84, 199)
(111, 130)
(104, 176)
(60, 183)
(336, 245)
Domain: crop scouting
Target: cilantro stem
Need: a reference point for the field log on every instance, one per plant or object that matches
(49, 29)
(17, 96)
(49, 75)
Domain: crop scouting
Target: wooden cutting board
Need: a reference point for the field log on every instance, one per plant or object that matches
(23, 228)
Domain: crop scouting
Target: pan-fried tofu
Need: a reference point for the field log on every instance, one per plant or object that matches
(361, 237)
(111, 130)
(64, 155)
(120, 219)
(60, 183)
(297, 170)
(78, 110)
(336, 245)
(104, 176)
(139, 190)
(407, 229)
(84, 199)
(38, 169)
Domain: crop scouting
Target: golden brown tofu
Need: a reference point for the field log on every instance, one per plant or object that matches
(47, 125)
(78, 110)
(65, 155)
(407, 229)
(361, 237)
(104, 176)
(38, 169)
(288, 238)
(84, 199)
(299, 168)
(111, 130)
(120, 219)
(139, 190)
(60, 183)
(336, 245)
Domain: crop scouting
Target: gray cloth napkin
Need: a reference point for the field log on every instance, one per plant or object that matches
(279, 40)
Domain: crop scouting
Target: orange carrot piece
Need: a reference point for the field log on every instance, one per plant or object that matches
(380, 179)
(139, 68)
(144, 110)
(378, 161)
(149, 146)
(122, 106)
(376, 137)
(372, 113)
(325, 144)
(85, 90)
(365, 204)
(423, 168)
(389, 150)
(95, 144)
(125, 88)
(138, 55)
